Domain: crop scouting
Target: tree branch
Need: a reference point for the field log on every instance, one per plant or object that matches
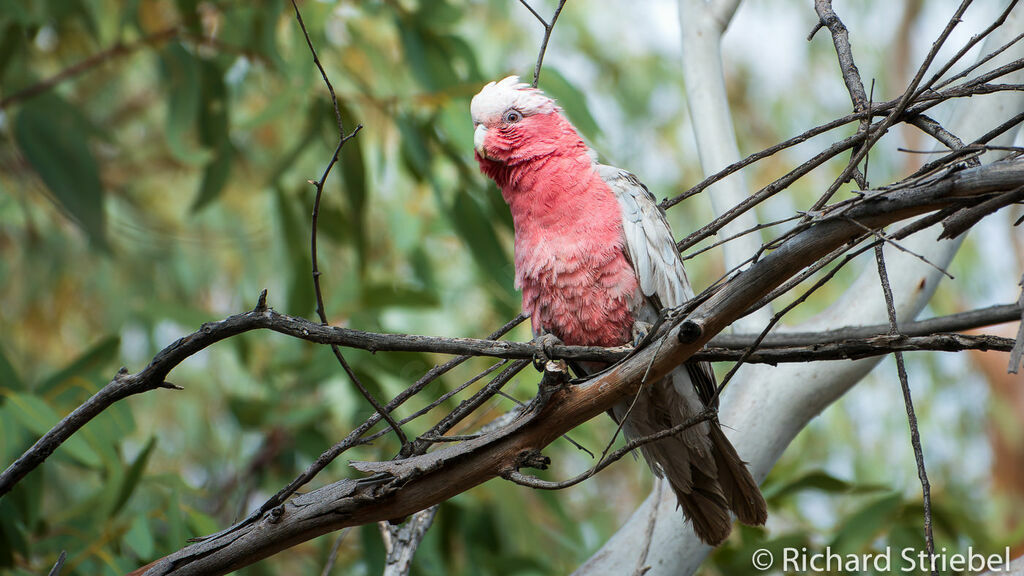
(319, 185)
(549, 27)
(117, 50)
(841, 343)
(908, 402)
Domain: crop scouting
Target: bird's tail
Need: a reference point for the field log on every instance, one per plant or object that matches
(700, 463)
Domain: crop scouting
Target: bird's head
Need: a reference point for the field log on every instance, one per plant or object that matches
(516, 123)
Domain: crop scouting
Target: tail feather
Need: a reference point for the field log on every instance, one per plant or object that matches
(739, 487)
(700, 463)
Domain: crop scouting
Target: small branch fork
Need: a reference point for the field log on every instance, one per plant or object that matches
(851, 75)
(319, 184)
(548, 28)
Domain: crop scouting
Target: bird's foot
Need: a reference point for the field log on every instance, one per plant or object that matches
(640, 331)
(547, 343)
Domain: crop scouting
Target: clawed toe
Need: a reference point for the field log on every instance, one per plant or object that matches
(640, 331)
(547, 344)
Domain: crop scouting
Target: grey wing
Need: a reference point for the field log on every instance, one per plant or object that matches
(651, 249)
(649, 241)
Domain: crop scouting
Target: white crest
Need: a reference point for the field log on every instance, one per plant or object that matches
(497, 97)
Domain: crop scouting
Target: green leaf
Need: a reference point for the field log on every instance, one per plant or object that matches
(99, 355)
(12, 534)
(571, 100)
(214, 130)
(15, 11)
(263, 35)
(38, 417)
(11, 433)
(353, 170)
(49, 133)
(200, 523)
(820, 481)
(176, 534)
(9, 378)
(134, 474)
(301, 296)
(474, 227)
(181, 81)
(414, 138)
(140, 538)
(860, 529)
(12, 40)
(394, 295)
(250, 412)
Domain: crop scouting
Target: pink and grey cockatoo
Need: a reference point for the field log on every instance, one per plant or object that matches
(596, 262)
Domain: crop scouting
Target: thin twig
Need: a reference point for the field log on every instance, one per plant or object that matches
(881, 235)
(355, 437)
(965, 218)
(401, 542)
(851, 75)
(970, 44)
(548, 28)
(319, 184)
(533, 482)
(775, 320)
(59, 565)
(931, 127)
(915, 436)
(118, 49)
(1018, 346)
(981, 62)
(332, 557)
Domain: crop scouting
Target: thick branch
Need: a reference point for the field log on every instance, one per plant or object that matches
(776, 348)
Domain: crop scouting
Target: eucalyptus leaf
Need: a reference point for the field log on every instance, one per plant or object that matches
(49, 133)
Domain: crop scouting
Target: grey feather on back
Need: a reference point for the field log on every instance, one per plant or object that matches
(649, 241)
(651, 249)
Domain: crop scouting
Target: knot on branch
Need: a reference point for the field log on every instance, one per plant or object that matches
(275, 514)
(261, 303)
(532, 459)
(690, 331)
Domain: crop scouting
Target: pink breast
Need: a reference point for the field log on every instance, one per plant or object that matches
(584, 297)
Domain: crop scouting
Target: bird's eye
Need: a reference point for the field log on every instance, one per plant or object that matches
(512, 116)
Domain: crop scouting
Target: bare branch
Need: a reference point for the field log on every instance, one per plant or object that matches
(319, 184)
(514, 475)
(401, 542)
(962, 220)
(1018, 346)
(117, 50)
(915, 435)
(879, 130)
(549, 27)
(851, 75)
(857, 348)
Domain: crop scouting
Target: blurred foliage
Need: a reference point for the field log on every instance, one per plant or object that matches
(165, 184)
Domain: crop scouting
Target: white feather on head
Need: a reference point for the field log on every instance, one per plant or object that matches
(496, 97)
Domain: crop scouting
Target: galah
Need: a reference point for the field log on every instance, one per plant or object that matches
(596, 262)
